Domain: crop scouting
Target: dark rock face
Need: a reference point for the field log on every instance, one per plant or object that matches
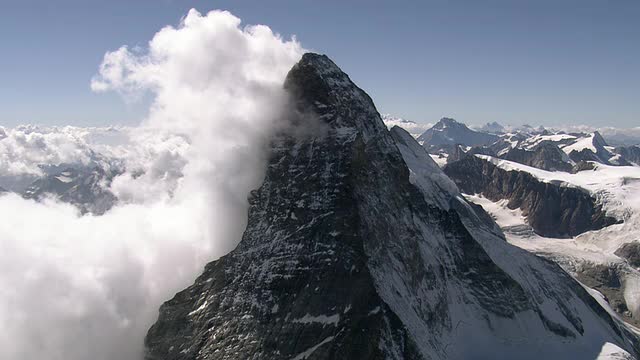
(601, 154)
(551, 209)
(448, 132)
(630, 252)
(459, 153)
(546, 156)
(585, 155)
(630, 153)
(583, 166)
(86, 188)
(609, 281)
(359, 247)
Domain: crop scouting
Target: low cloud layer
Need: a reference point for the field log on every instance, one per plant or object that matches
(413, 128)
(88, 287)
(24, 149)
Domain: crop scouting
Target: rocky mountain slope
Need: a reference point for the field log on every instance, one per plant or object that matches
(359, 247)
(84, 187)
(545, 155)
(592, 148)
(448, 132)
(630, 153)
(551, 209)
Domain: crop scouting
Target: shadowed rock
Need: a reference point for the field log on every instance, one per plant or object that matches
(552, 210)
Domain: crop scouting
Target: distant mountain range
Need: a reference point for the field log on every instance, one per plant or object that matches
(543, 184)
(613, 136)
(538, 147)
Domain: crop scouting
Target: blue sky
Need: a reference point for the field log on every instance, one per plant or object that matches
(538, 62)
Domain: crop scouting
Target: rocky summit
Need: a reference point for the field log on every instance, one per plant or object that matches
(359, 247)
(447, 132)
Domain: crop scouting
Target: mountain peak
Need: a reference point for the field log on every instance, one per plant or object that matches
(598, 140)
(493, 128)
(449, 132)
(307, 80)
(319, 86)
(446, 121)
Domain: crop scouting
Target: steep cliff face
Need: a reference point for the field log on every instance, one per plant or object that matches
(459, 153)
(630, 153)
(551, 209)
(359, 247)
(546, 156)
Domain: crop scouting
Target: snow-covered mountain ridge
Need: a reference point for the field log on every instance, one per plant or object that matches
(578, 143)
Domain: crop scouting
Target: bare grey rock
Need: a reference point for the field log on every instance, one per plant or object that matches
(546, 156)
(553, 210)
(630, 252)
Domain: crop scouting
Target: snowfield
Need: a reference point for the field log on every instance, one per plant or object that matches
(581, 144)
(532, 142)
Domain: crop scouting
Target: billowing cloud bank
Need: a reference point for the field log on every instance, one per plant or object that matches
(88, 287)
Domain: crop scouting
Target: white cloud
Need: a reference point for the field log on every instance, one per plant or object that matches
(88, 287)
(23, 148)
(413, 128)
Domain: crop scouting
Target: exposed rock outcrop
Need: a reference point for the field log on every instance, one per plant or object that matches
(630, 252)
(553, 210)
(459, 153)
(448, 132)
(630, 153)
(608, 281)
(546, 156)
(583, 166)
(592, 148)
